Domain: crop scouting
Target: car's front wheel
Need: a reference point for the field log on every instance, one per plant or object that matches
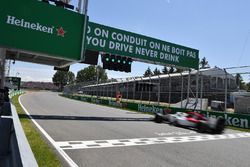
(158, 118)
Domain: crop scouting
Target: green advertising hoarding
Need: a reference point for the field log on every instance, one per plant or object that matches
(142, 48)
(38, 27)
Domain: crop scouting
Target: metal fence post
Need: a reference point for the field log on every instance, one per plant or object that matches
(181, 89)
(2, 67)
(85, 12)
(134, 90)
(127, 90)
(159, 89)
(197, 89)
(102, 88)
(225, 90)
(149, 92)
(107, 90)
(170, 90)
(79, 6)
(122, 88)
(110, 91)
(141, 93)
(188, 88)
(97, 91)
(201, 90)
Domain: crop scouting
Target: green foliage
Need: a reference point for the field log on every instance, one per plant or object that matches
(157, 71)
(90, 73)
(239, 129)
(240, 84)
(204, 63)
(178, 70)
(239, 81)
(103, 77)
(148, 73)
(165, 70)
(171, 70)
(61, 78)
(248, 86)
(71, 77)
(112, 80)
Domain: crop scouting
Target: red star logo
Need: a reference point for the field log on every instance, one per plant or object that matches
(60, 32)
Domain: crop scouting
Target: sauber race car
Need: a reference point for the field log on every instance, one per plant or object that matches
(192, 120)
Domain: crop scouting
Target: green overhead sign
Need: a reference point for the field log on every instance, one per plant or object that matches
(38, 27)
(142, 48)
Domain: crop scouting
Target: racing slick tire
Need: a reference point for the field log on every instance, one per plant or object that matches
(220, 125)
(175, 123)
(202, 127)
(158, 118)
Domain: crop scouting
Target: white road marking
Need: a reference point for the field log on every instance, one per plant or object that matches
(175, 133)
(60, 150)
(69, 145)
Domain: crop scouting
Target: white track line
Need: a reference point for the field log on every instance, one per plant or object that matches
(60, 150)
(67, 145)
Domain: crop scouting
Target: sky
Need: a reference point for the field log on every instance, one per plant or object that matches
(219, 29)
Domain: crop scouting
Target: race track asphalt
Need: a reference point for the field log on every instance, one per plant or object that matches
(99, 136)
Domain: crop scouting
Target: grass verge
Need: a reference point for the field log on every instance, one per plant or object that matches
(44, 155)
(239, 129)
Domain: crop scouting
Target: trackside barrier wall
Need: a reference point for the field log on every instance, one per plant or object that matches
(15, 92)
(232, 119)
(14, 147)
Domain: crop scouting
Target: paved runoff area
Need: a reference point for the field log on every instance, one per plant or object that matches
(85, 134)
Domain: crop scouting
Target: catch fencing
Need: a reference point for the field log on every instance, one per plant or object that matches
(184, 90)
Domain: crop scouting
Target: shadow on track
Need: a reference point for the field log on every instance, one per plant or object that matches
(80, 118)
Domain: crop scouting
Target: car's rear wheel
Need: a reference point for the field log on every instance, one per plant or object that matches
(158, 118)
(175, 123)
(220, 125)
(202, 128)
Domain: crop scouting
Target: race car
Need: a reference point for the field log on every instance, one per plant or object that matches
(193, 120)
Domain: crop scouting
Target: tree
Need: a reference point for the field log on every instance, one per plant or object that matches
(61, 78)
(179, 70)
(157, 71)
(148, 73)
(239, 80)
(90, 74)
(71, 77)
(243, 86)
(171, 70)
(86, 74)
(165, 70)
(103, 77)
(248, 86)
(112, 80)
(66, 1)
(204, 63)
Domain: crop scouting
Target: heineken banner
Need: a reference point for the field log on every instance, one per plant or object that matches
(142, 48)
(38, 27)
